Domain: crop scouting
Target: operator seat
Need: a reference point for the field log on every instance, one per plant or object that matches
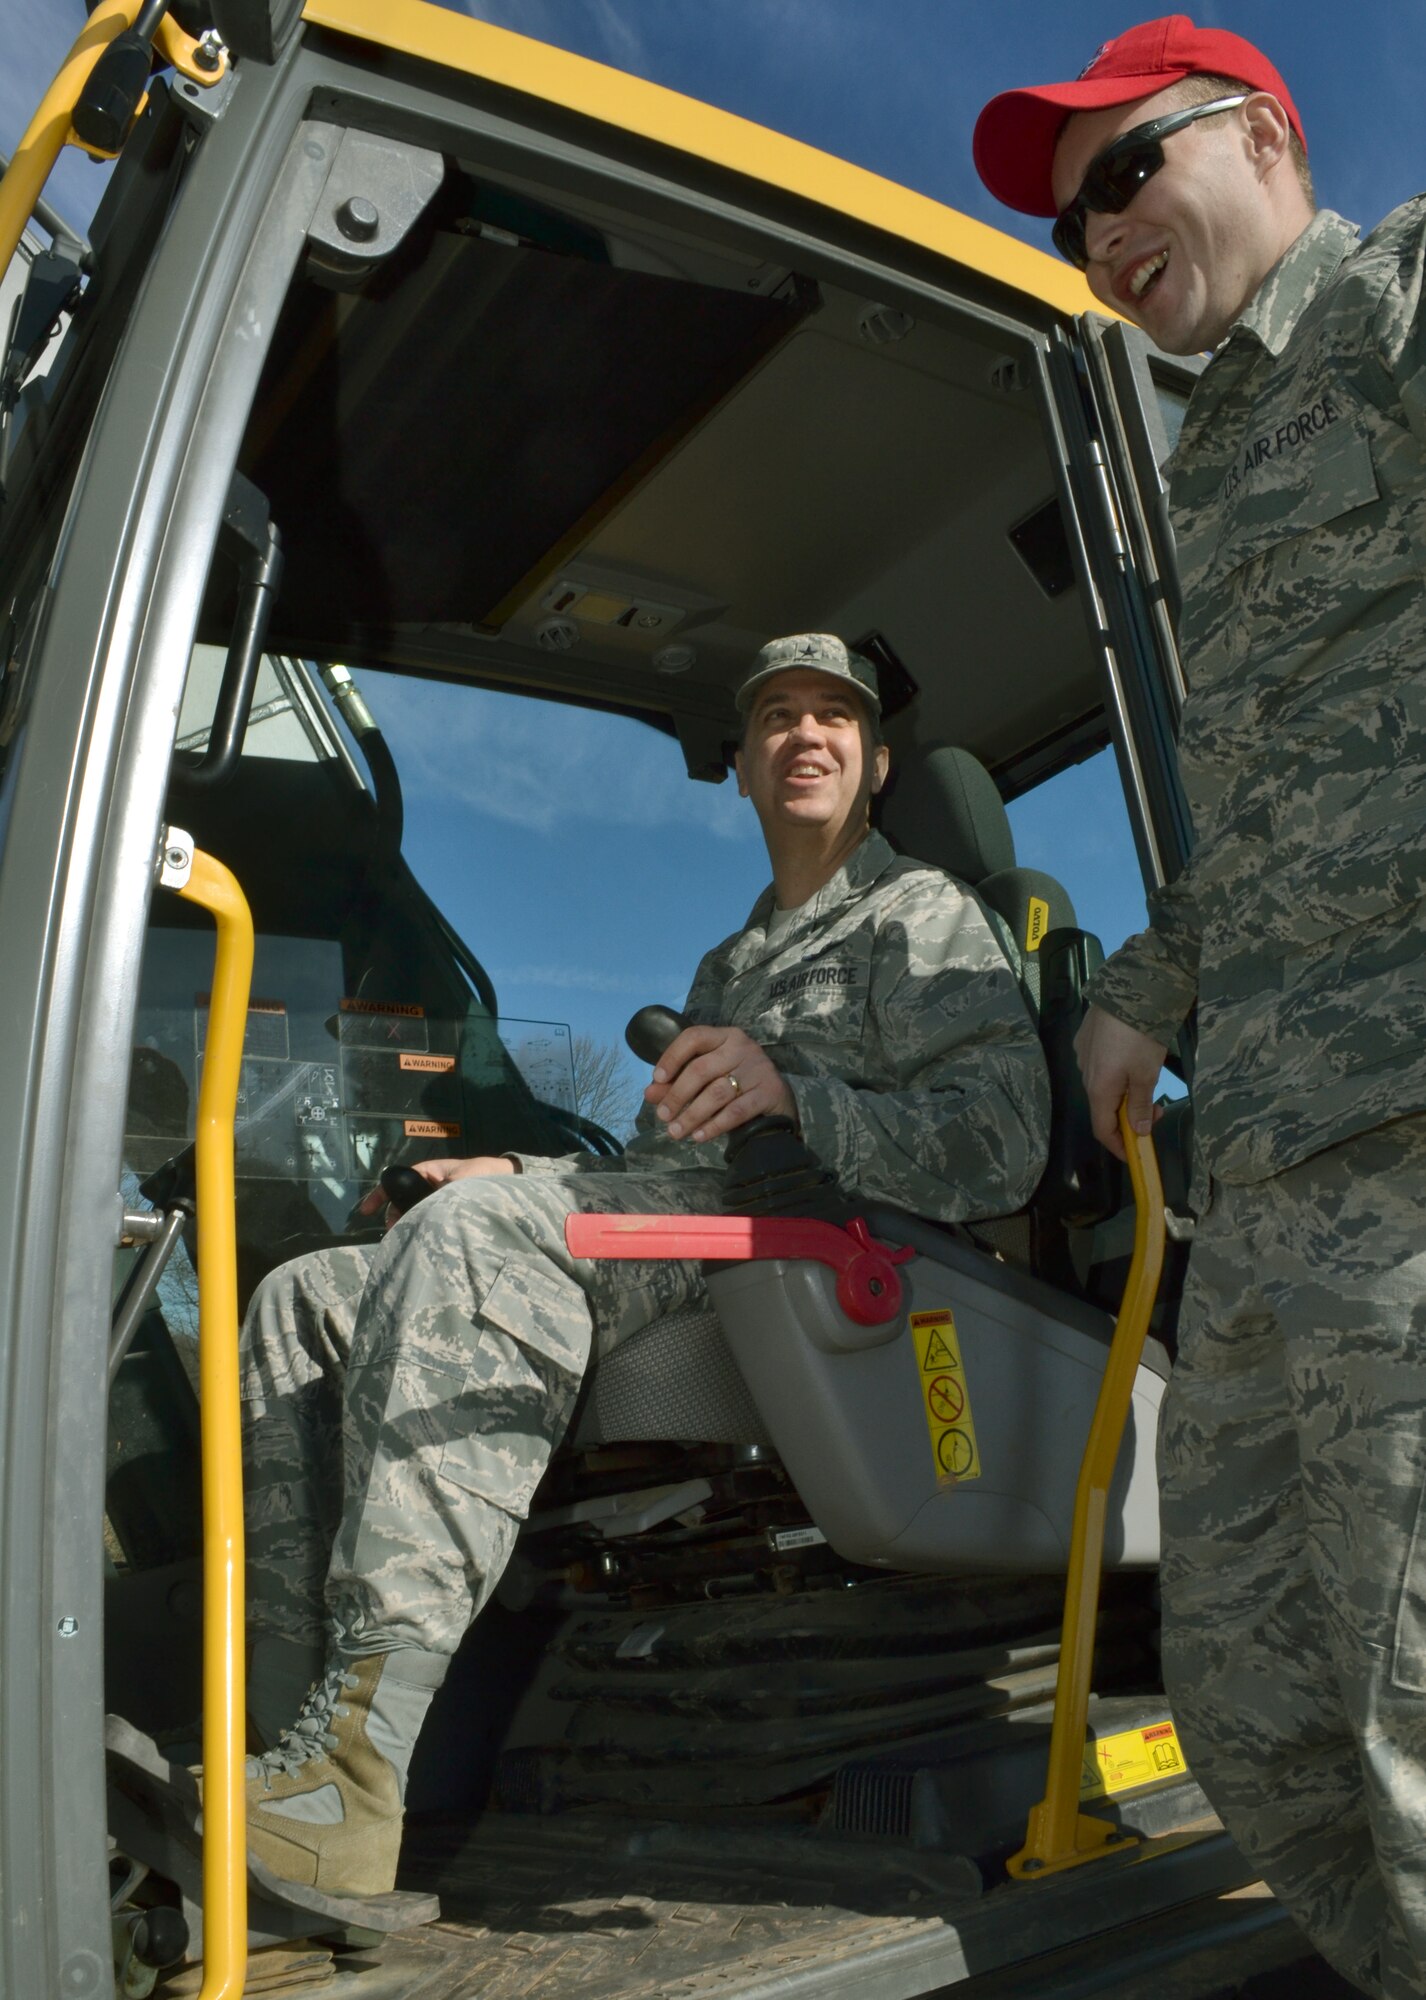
(677, 1377)
(851, 1411)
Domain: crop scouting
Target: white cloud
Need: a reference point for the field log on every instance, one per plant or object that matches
(538, 764)
(605, 25)
(584, 979)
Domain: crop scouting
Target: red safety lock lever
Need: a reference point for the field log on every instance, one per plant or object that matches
(868, 1287)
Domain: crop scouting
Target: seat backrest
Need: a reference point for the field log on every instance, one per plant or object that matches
(943, 807)
(946, 809)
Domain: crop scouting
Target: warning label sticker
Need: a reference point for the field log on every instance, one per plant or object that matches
(1133, 1757)
(429, 1128)
(945, 1396)
(406, 1007)
(434, 1065)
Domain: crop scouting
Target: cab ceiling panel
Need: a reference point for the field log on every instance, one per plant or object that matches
(431, 444)
(1000, 663)
(814, 481)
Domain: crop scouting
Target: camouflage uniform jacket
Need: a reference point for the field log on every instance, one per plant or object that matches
(890, 1007)
(1298, 492)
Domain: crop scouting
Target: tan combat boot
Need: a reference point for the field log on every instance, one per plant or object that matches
(325, 1806)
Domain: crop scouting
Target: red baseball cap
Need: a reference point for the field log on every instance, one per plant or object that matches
(1016, 134)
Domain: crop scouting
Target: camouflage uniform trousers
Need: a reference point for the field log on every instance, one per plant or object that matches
(400, 1402)
(1293, 1462)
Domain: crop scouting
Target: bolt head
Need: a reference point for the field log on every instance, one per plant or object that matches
(357, 218)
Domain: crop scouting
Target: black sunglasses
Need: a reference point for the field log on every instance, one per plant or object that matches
(1116, 175)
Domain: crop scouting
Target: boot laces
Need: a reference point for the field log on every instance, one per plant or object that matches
(311, 1734)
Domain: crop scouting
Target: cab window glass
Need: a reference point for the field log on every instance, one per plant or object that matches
(284, 721)
(454, 920)
(572, 849)
(1075, 826)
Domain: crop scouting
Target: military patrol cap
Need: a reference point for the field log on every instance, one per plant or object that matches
(1016, 134)
(815, 652)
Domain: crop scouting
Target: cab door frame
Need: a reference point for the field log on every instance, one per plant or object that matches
(106, 657)
(1107, 381)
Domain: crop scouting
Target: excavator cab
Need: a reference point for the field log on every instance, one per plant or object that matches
(408, 369)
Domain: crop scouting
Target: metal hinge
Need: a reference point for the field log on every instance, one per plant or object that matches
(203, 104)
(376, 189)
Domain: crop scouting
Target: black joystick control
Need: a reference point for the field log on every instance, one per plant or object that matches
(404, 1187)
(770, 1170)
(652, 1029)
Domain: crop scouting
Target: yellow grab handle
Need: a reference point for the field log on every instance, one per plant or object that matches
(225, 1876)
(48, 130)
(1059, 1835)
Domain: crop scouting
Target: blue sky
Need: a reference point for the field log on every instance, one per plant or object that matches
(896, 84)
(585, 870)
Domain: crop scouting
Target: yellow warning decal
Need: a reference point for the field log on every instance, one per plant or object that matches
(945, 1396)
(1037, 923)
(437, 1065)
(429, 1128)
(1134, 1757)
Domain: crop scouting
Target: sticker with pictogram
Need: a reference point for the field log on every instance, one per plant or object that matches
(945, 1396)
(945, 1399)
(1131, 1758)
(937, 1355)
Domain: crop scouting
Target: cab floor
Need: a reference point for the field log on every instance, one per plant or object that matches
(628, 1911)
(450, 1961)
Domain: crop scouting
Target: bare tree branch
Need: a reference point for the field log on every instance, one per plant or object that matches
(607, 1089)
